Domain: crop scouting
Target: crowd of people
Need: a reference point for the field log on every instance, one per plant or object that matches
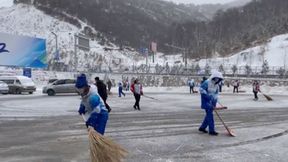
(94, 104)
(94, 98)
(209, 90)
(192, 84)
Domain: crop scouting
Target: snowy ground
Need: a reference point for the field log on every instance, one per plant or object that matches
(42, 128)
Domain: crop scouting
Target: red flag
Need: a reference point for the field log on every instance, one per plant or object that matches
(154, 47)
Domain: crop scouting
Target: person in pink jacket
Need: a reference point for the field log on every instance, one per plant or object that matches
(136, 89)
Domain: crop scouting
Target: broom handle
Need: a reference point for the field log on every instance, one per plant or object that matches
(220, 104)
(221, 119)
(150, 97)
(84, 118)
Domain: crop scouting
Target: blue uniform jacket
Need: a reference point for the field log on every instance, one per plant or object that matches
(209, 94)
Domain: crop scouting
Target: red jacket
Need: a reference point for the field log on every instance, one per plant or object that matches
(134, 89)
(256, 87)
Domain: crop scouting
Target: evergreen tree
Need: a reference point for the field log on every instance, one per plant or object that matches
(281, 71)
(221, 69)
(248, 70)
(207, 69)
(234, 69)
(197, 68)
(265, 67)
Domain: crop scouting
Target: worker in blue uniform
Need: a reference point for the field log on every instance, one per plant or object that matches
(209, 90)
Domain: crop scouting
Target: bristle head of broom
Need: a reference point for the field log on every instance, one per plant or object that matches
(104, 149)
(231, 133)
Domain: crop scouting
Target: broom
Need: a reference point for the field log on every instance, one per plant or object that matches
(230, 132)
(267, 97)
(150, 97)
(103, 149)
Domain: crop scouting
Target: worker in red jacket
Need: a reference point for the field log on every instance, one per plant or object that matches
(136, 89)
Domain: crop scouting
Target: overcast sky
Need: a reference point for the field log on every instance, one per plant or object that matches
(6, 3)
(200, 1)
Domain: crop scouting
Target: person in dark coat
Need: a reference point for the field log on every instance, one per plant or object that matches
(236, 85)
(203, 80)
(256, 89)
(191, 84)
(109, 84)
(102, 91)
(220, 85)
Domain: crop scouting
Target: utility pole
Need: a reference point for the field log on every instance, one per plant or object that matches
(56, 40)
(75, 51)
(285, 50)
(153, 57)
(146, 56)
(186, 53)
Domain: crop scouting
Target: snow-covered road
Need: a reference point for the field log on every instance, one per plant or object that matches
(42, 128)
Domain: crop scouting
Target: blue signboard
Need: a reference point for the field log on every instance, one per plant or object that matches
(22, 51)
(27, 72)
(144, 51)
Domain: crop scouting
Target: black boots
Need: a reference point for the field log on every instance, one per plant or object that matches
(202, 130)
(135, 107)
(210, 133)
(213, 133)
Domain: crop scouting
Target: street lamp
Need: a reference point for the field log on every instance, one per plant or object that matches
(56, 39)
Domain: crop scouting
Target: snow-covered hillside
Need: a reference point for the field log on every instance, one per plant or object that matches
(275, 51)
(27, 20)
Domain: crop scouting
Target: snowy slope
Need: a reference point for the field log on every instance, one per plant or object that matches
(275, 51)
(27, 20)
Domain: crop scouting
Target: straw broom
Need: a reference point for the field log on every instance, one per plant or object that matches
(103, 149)
(267, 97)
(150, 97)
(230, 132)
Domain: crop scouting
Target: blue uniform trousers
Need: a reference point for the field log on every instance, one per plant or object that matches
(98, 121)
(208, 120)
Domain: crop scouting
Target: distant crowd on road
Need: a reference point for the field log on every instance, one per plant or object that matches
(235, 84)
(94, 98)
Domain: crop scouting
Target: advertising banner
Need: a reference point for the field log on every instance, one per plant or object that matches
(22, 51)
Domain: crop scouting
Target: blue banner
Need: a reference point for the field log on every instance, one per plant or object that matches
(27, 72)
(22, 51)
(144, 51)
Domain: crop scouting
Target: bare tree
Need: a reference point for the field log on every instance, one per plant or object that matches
(234, 69)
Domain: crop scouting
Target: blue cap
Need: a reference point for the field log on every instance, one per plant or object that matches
(81, 81)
